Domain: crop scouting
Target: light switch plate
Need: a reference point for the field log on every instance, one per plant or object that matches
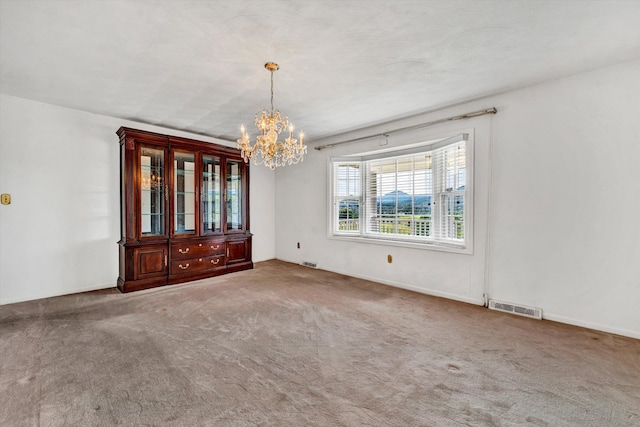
(6, 199)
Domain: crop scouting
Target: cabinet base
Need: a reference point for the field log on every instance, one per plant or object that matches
(248, 265)
(138, 285)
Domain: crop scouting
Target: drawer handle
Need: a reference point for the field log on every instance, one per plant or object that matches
(215, 261)
(183, 267)
(183, 251)
(215, 247)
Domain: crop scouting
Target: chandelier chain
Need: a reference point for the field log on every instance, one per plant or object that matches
(271, 91)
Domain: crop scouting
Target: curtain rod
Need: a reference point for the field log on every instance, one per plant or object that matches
(491, 110)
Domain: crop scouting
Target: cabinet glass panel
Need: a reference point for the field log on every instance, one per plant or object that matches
(152, 202)
(234, 195)
(211, 194)
(184, 193)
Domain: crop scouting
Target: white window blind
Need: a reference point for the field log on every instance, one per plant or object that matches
(347, 197)
(450, 189)
(418, 195)
(398, 195)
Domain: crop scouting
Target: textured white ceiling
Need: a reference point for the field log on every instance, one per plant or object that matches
(198, 65)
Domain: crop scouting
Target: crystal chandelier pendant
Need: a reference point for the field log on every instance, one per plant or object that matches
(267, 149)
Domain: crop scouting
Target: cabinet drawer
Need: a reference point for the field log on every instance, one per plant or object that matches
(196, 264)
(201, 249)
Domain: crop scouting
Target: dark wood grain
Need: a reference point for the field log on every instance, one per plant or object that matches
(148, 261)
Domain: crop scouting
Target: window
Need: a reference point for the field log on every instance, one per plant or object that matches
(347, 193)
(420, 195)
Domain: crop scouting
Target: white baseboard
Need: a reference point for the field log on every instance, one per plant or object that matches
(435, 293)
(545, 315)
(590, 325)
(32, 297)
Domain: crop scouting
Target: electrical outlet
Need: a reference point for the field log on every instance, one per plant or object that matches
(6, 199)
(298, 245)
(389, 259)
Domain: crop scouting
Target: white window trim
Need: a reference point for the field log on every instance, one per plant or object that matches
(408, 242)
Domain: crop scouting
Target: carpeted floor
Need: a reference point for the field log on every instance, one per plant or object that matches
(284, 345)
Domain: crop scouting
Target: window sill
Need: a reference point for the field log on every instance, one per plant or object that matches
(432, 246)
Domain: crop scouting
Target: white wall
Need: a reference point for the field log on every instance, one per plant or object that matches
(301, 205)
(557, 196)
(61, 167)
(561, 152)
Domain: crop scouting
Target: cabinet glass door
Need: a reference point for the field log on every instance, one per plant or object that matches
(234, 195)
(184, 193)
(152, 192)
(211, 206)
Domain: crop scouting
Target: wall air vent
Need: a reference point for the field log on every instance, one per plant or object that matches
(520, 310)
(309, 264)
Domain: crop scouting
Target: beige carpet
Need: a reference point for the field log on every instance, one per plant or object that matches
(284, 345)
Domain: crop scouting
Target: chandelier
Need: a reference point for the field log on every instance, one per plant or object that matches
(268, 150)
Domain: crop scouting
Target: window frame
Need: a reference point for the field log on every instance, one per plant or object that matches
(431, 243)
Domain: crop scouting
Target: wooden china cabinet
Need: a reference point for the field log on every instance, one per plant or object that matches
(184, 210)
